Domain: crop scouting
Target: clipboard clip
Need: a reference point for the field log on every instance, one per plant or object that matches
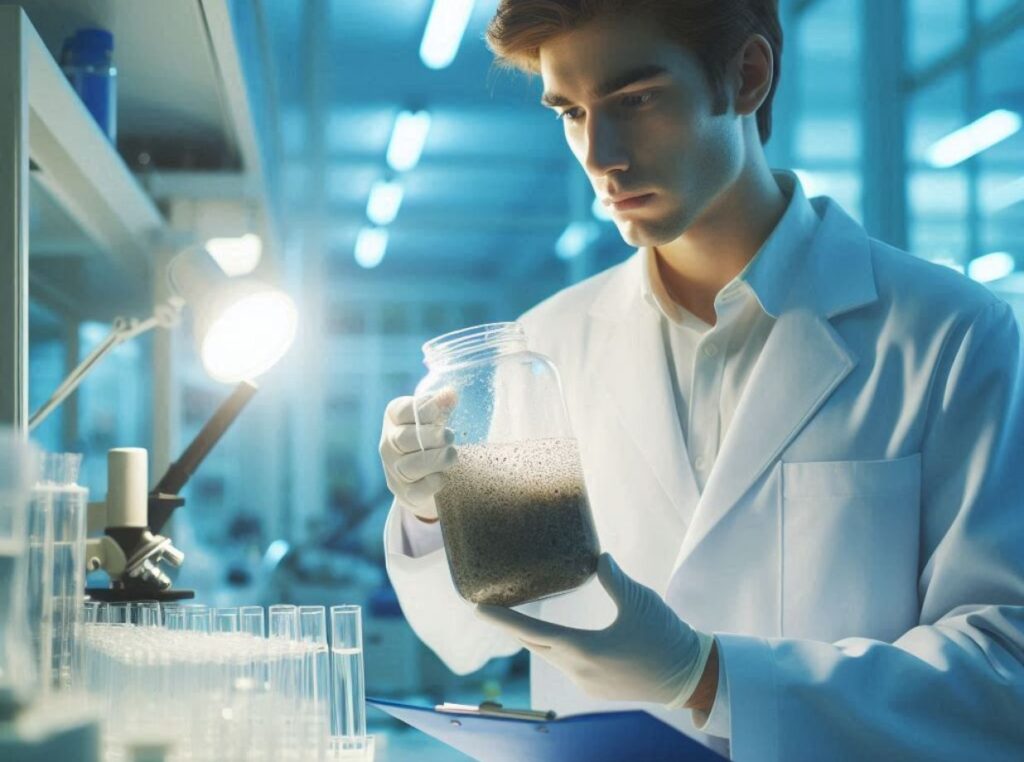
(494, 709)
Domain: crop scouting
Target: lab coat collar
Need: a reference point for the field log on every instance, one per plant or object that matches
(817, 259)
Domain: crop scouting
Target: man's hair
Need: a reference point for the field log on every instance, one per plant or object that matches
(714, 30)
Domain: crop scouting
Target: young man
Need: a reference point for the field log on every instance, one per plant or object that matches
(802, 447)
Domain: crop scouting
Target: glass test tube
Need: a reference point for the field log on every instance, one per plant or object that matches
(197, 617)
(316, 669)
(224, 619)
(349, 723)
(251, 621)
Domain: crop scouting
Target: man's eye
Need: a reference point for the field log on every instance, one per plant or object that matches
(638, 99)
(570, 114)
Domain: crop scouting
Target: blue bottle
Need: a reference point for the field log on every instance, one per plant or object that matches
(87, 61)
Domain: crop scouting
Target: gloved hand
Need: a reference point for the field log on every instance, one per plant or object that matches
(414, 460)
(647, 654)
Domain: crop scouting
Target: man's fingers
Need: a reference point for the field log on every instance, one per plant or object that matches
(420, 494)
(415, 466)
(533, 632)
(429, 409)
(405, 441)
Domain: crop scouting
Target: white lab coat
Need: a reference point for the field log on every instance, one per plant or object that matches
(859, 546)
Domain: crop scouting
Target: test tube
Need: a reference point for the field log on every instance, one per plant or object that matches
(144, 613)
(316, 672)
(225, 619)
(176, 618)
(348, 728)
(197, 617)
(251, 621)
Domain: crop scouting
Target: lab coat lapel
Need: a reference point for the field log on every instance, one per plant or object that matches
(633, 373)
(802, 363)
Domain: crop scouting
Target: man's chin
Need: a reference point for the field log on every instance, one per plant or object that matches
(648, 233)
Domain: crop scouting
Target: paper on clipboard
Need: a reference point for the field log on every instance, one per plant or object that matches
(494, 736)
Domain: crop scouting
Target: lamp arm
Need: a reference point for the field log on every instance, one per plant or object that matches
(124, 329)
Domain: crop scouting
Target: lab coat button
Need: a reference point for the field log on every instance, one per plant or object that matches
(700, 463)
(711, 350)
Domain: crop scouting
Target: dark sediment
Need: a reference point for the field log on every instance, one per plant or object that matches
(516, 521)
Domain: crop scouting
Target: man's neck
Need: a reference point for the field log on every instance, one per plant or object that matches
(722, 241)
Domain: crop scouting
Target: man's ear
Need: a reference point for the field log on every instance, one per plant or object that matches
(753, 76)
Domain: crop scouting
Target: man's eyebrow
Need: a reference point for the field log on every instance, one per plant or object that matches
(606, 88)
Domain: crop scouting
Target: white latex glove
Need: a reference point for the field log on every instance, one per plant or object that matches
(414, 460)
(647, 654)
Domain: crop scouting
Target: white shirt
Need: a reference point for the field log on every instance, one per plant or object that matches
(712, 364)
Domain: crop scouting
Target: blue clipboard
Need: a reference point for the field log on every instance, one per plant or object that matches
(597, 737)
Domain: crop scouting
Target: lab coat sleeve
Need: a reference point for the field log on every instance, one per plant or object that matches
(433, 608)
(953, 686)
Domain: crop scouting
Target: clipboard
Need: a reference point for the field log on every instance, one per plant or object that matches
(491, 733)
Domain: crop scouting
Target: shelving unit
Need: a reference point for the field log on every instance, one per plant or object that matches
(49, 140)
(98, 236)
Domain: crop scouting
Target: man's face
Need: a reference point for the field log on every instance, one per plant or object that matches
(638, 115)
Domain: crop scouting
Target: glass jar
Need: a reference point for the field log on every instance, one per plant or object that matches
(514, 512)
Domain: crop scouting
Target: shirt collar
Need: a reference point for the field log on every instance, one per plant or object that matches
(768, 275)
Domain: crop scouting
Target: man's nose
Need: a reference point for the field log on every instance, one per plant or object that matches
(605, 152)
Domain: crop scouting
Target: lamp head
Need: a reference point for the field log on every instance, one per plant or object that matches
(242, 325)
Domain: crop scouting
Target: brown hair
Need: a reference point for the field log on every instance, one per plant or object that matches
(714, 30)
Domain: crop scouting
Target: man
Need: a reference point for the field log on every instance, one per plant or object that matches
(802, 446)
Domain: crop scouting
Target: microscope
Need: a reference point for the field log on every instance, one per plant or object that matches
(132, 549)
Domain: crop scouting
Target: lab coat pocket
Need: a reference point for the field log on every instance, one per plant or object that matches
(850, 535)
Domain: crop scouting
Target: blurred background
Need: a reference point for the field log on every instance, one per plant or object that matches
(401, 187)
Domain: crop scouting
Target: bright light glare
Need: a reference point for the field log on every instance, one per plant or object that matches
(575, 239)
(601, 211)
(408, 139)
(370, 247)
(445, 27)
(236, 256)
(976, 137)
(249, 336)
(385, 200)
(991, 267)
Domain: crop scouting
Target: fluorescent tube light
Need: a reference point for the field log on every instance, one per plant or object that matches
(407, 140)
(443, 34)
(575, 239)
(385, 200)
(991, 267)
(370, 247)
(958, 146)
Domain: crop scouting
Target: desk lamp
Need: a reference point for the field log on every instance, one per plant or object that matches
(242, 327)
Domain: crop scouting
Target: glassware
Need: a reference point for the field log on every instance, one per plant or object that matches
(252, 621)
(224, 619)
(316, 672)
(57, 566)
(18, 470)
(197, 617)
(514, 511)
(348, 728)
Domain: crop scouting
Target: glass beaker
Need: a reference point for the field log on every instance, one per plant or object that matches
(18, 470)
(514, 512)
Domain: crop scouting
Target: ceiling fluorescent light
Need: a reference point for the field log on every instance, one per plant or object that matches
(575, 239)
(991, 267)
(370, 247)
(957, 147)
(445, 27)
(385, 200)
(407, 140)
